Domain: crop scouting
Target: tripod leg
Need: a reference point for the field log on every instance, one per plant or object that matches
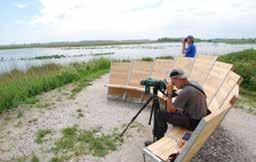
(142, 108)
(151, 114)
(156, 111)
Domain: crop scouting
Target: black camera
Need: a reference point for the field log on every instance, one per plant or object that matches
(157, 85)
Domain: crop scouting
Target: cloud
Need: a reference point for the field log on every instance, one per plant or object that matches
(151, 18)
(21, 5)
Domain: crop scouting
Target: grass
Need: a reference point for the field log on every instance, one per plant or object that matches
(244, 64)
(79, 110)
(147, 59)
(165, 57)
(34, 158)
(31, 100)
(247, 100)
(28, 158)
(17, 87)
(19, 114)
(40, 134)
(76, 141)
(159, 57)
(135, 125)
(59, 158)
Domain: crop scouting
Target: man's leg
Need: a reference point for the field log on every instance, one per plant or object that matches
(175, 118)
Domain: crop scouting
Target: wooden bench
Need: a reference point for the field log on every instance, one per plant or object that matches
(220, 83)
(160, 150)
(118, 78)
(202, 66)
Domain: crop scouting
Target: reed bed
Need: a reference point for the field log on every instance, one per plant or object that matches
(17, 87)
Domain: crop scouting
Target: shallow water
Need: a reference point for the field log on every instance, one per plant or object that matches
(19, 58)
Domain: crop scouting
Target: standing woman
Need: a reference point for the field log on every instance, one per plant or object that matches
(190, 50)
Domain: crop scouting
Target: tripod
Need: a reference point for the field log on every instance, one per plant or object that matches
(154, 111)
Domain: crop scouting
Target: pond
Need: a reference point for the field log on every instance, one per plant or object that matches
(25, 58)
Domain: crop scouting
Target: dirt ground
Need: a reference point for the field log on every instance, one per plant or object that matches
(232, 141)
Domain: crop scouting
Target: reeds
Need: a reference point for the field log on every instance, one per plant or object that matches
(16, 86)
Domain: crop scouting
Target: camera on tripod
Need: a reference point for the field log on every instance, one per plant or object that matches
(148, 83)
(157, 85)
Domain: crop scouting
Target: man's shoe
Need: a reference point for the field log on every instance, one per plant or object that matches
(147, 143)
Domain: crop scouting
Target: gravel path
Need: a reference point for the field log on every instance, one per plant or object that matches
(232, 141)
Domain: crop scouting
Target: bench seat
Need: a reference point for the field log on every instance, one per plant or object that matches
(160, 150)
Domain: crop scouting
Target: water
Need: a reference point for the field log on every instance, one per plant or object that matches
(19, 58)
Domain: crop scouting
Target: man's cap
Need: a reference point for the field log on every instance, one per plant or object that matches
(177, 73)
(190, 37)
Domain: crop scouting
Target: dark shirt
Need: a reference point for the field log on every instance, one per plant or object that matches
(192, 101)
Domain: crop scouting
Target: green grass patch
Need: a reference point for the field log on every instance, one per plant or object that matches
(76, 141)
(27, 158)
(42, 104)
(247, 100)
(19, 114)
(40, 134)
(147, 59)
(34, 158)
(135, 125)
(60, 158)
(31, 100)
(17, 87)
(244, 64)
(86, 81)
(165, 57)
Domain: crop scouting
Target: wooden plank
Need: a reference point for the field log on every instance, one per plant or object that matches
(215, 79)
(184, 63)
(229, 84)
(177, 132)
(201, 68)
(140, 71)
(161, 69)
(163, 147)
(119, 72)
(201, 134)
(115, 91)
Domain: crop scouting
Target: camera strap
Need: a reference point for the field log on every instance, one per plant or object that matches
(199, 89)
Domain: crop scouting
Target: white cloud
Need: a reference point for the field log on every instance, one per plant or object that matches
(21, 5)
(150, 18)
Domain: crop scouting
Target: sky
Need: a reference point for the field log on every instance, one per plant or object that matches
(34, 21)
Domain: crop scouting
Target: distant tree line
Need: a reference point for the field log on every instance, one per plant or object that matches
(121, 42)
(217, 40)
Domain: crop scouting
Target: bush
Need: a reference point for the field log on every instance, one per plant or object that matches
(244, 64)
(165, 57)
(147, 59)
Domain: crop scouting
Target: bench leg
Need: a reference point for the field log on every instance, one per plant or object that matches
(144, 158)
(125, 96)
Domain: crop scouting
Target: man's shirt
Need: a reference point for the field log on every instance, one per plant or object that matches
(192, 101)
(190, 51)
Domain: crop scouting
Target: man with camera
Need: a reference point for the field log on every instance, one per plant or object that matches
(190, 51)
(188, 108)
